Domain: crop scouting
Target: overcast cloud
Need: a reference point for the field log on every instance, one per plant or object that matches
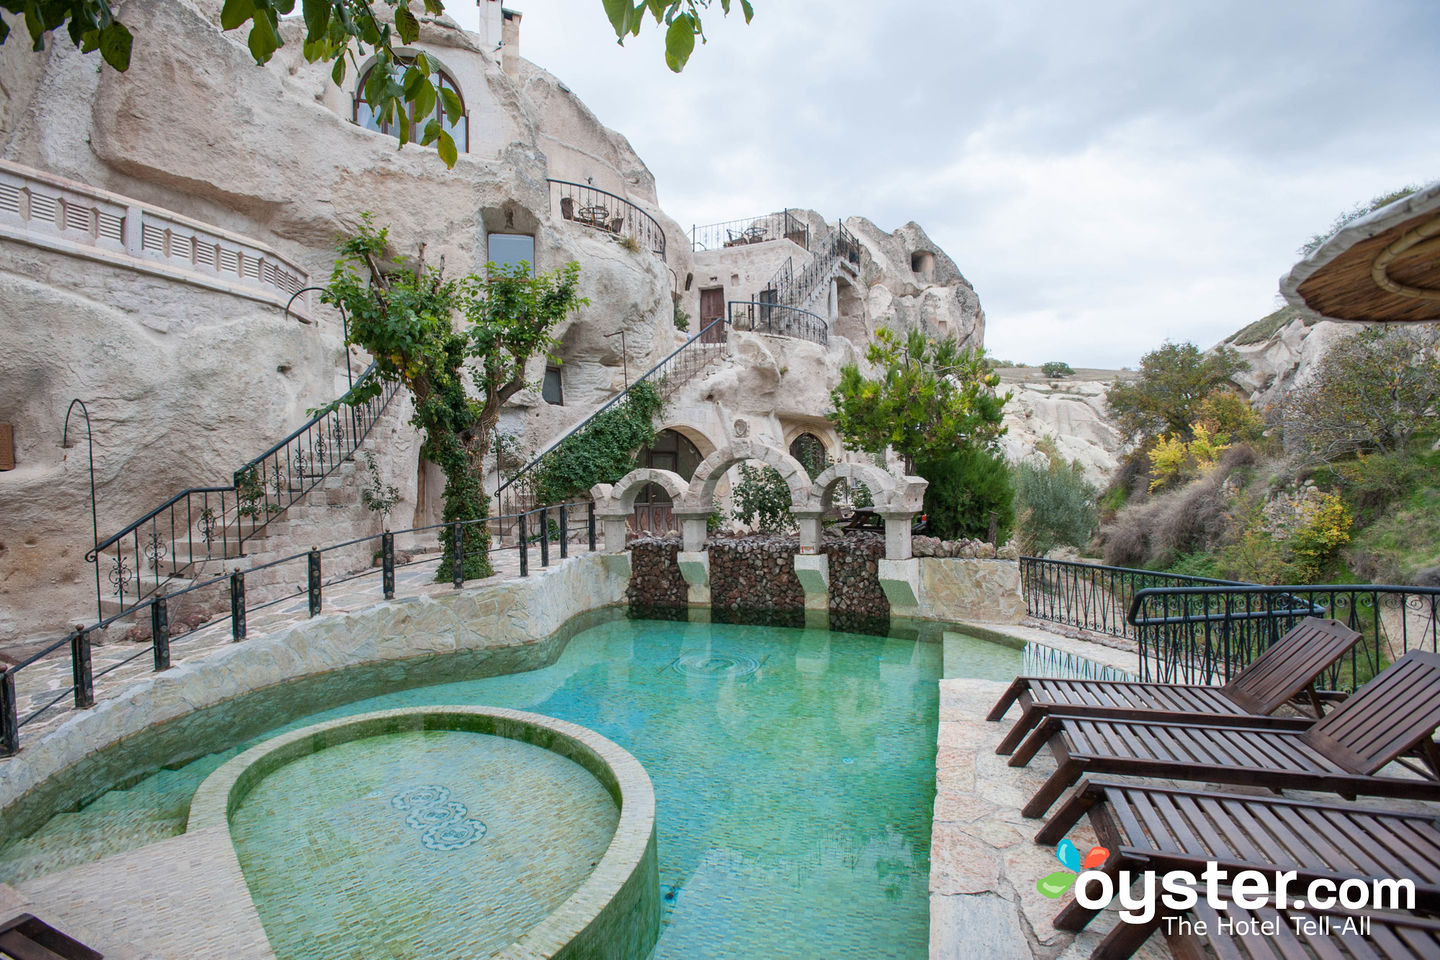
(1108, 174)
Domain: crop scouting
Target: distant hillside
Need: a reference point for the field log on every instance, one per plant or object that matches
(1068, 410)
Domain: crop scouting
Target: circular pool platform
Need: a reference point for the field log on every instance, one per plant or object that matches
(442, 831)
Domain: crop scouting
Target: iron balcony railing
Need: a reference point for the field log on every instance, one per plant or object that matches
(1200, 630)
(27, 691)
(212, 523)
(1206, 634)
(683, 363)
(782, 225)
(778, 320)
(793, 289)
(607, 213)
(1092, 596)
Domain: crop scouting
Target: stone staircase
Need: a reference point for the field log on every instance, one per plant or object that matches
(224, 541)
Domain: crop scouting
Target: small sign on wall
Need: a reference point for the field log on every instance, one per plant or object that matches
(7, 447)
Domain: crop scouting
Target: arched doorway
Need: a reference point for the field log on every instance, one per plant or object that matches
(673, 451)
(810, 451)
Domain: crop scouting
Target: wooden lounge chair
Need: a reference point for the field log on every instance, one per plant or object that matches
(26, 938)
(1160, 828)
(1270, 934)
(1285, 670)
(1389, 716)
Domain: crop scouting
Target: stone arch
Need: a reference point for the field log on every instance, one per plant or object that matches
(618, 499)
(700, 496)
(690, 432)
(822, 490)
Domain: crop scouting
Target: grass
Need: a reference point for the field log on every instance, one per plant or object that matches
(1265, 328)
(1405, 539)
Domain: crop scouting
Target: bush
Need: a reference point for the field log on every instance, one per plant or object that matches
(762, 500)
(968, 488)
(1056, 368)
(1055, 505)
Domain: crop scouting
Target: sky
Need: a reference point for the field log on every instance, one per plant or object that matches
(1108, 174)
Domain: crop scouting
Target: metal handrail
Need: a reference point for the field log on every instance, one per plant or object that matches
(780, 225)
(648, 231)
(643, 378)
(779, 320)
(83, 674)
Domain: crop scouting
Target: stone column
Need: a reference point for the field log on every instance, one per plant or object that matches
(612, 528)
(809, 523)
(692, 528)
(813, 572)
(897, 534)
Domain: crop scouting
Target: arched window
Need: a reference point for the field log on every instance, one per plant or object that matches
(810, 451)
(366, 117)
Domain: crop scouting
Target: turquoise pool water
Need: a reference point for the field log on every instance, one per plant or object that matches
(794, 773)
(421, 844)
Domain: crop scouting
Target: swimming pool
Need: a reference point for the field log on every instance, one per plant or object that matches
(794, 773)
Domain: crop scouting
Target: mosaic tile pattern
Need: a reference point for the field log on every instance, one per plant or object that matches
(366, 850)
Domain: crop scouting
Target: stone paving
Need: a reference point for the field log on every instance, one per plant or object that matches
(117, 663)
(983, 861)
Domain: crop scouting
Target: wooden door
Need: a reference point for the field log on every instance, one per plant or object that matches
(712, 307)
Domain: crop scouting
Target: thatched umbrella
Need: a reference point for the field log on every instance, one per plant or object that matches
(1381, 268)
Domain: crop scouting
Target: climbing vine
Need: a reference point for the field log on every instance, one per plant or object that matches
(603, 451)
(405, 315)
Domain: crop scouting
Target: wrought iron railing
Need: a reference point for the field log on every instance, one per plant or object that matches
(1199, 630)
(668, 375)
(1092, 596)
(782, 225)
(1206, 634)
(778, 320)
(607, 213)
(796, 290)
(27, 692)
(212, 523)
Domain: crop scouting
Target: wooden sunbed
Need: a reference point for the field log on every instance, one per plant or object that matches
(1285, 670)
(1270, 934)
(26, 938)
(1160, 828)
(1392, 714)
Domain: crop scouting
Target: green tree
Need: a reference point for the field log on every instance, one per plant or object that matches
(762, 499)
(345, 33)
(406, 319)
(969, 488)
(1165, 399)
(1056, 369)
(1055, 505)
(1369, 393)
(929, 398)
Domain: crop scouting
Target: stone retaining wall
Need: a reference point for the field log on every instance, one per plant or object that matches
(240, 690)
(752, 579)
(656, 590)
(856, 600)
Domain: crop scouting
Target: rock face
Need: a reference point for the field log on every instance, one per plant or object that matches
(1069, 412)
(187, 384)
(1280, 349)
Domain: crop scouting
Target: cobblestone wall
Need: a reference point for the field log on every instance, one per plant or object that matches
(656, 591)
(857, 603)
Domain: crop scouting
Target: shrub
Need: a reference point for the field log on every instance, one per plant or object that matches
(762, 500)
(1173, 458)
(1056, 368)
(967, 488)
(1055, 505)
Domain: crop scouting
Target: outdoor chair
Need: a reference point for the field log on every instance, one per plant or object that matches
(567, 208)
(616, 224)
(1394, 713)
(1270, 934)
(27, 938)
(1287, 668)
(1161, 828)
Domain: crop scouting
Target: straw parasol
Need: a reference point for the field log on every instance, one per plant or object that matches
(1382, 268)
